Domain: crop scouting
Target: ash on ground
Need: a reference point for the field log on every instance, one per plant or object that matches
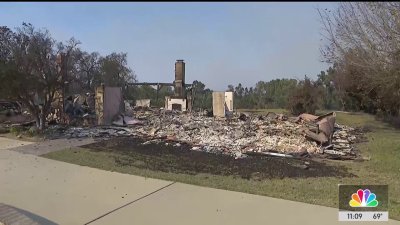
(238, 135)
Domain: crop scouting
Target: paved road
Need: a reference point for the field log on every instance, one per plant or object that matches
(64, 193)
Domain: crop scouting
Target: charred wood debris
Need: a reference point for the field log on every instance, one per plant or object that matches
(238, 135)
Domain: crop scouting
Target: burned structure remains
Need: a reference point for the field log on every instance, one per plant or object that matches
(224, 131)
(222, 104)
(182, 100)
(109, 103)
(240, 136)
(179, 100)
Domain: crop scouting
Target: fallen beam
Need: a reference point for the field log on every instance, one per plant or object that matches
(269, 154)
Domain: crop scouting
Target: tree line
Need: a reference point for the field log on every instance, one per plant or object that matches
(298, 96)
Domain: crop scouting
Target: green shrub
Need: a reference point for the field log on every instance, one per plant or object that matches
(16, 130)
(33, 131)
(305, 98)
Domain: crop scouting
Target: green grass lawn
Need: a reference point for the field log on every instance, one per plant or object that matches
(383, 148)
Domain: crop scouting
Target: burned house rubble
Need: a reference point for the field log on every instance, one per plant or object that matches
(105, 113)
(239, 136)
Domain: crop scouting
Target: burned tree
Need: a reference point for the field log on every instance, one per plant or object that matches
(29, 72)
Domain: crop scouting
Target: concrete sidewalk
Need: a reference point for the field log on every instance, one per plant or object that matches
(188, 204)
(6, 143)
(64, 193)
(43, 147)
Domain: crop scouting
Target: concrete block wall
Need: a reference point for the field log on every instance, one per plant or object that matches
(229, 100)
(218, 103)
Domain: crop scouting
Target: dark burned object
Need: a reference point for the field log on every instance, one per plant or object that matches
(243, 117)
(321, 128)
(10, 108)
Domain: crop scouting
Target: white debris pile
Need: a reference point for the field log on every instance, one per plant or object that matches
(233, 136)
(342, 141)
(111, 131)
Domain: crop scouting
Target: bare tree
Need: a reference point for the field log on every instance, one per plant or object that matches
(363, 39)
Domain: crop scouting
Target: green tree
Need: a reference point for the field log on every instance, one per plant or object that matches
(305, 98)
(29, 71)
(114, 71)
(88, 68)
(326, 83)
(202, 96)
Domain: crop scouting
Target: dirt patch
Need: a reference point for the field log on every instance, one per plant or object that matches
(168, 157)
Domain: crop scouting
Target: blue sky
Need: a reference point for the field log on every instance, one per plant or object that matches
(222, 43)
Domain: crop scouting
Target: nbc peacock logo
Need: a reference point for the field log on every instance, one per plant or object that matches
(363, 198)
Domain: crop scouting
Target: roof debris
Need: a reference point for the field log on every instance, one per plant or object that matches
(238, 136)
